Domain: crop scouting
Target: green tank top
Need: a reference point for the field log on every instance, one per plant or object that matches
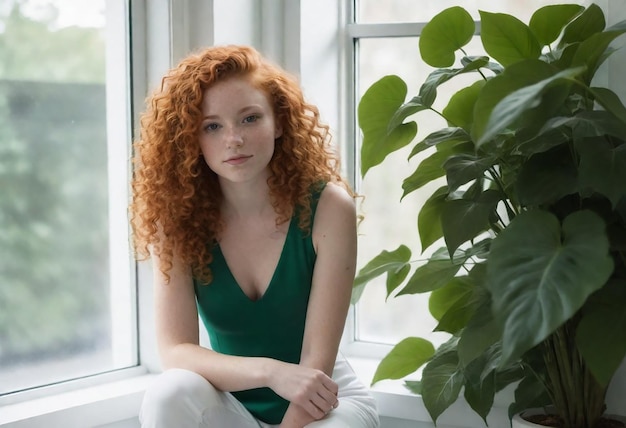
(272, 326)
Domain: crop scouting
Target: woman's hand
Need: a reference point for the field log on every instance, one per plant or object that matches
(308, 388)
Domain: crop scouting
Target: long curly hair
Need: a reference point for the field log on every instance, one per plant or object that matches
(176, 197)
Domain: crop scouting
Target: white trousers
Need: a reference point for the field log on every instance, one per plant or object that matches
(183, 399)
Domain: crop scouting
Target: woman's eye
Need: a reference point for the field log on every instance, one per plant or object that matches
(251, 118)
(211, 127)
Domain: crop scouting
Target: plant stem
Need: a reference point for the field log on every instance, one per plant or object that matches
(441, 115)
(576, 395)
(510, 209)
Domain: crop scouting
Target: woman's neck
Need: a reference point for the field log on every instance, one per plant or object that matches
(246, 200)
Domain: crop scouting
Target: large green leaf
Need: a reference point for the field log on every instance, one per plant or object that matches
(590, 22)
(602, 168)
(453, 305)
(481, 331)
(480, 395)
(515, 104)
(392, 263)
(547, 177)
(513, 78)
(601, 334)
(444, 34)
(548, 22)
(442, 380)
(376, 108)
(455, 293)
(610, 101)
(507, 39)
(404, 358)
(540, 273)
(460, 109)
(429, 218)
(463, 168)
(437, 272)
(591, 52)
(464, 219)
(428, 170)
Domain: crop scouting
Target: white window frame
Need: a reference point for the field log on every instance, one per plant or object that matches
(25, 408)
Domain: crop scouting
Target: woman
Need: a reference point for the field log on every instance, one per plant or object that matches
(239, 202)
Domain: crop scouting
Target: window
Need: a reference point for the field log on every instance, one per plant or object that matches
(383, 43)
(66, 293)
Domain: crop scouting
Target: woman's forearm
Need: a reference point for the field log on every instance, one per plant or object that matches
(225, 372)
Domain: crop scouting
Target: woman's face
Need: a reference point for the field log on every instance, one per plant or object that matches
(238, 130)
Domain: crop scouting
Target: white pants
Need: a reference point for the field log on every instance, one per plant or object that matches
(184, 399)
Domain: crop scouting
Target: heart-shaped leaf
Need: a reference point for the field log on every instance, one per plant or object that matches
(404, 358)
(444, 34)
(393, 263)
(376, 108)
(540, 273)
(507, 39)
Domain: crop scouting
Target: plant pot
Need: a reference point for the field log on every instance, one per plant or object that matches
(519, 422)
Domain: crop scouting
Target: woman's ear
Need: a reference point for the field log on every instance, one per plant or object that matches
(278, 131)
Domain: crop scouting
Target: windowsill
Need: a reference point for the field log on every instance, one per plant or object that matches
(97, 405)
(120, 400)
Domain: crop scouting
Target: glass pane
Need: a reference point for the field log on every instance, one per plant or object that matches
(370, 11)
(55, 311)
(388, 222)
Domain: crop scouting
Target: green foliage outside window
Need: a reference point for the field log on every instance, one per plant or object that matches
(53, 189)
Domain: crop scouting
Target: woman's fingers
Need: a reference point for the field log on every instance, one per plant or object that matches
(311, 389)
(325, 401)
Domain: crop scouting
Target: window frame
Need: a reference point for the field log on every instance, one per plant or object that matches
(352, 346)
(121, 268)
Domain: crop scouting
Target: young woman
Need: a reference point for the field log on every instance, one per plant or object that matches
(239, 202)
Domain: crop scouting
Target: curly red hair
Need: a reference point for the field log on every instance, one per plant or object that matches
(177, 198)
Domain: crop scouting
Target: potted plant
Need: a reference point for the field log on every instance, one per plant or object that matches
(531, 281)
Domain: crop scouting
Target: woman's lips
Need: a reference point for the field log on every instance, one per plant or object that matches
(237, 160)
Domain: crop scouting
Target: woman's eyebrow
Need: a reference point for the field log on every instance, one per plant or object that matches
(240, 111)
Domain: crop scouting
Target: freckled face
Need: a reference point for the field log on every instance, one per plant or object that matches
(238, 130)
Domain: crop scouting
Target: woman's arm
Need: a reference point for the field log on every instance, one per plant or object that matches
(334, 238)
(177, 334)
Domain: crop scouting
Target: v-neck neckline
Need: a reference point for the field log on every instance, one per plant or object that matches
(271, 281)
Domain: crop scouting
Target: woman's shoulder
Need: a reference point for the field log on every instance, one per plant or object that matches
(335, 199)
(335, 219)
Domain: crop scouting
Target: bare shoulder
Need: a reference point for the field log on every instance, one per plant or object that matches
(335, 197)
(335, 216)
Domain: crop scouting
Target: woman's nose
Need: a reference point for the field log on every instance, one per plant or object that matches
(234, 138)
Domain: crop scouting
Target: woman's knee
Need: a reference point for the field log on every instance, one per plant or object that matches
(177, 394)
